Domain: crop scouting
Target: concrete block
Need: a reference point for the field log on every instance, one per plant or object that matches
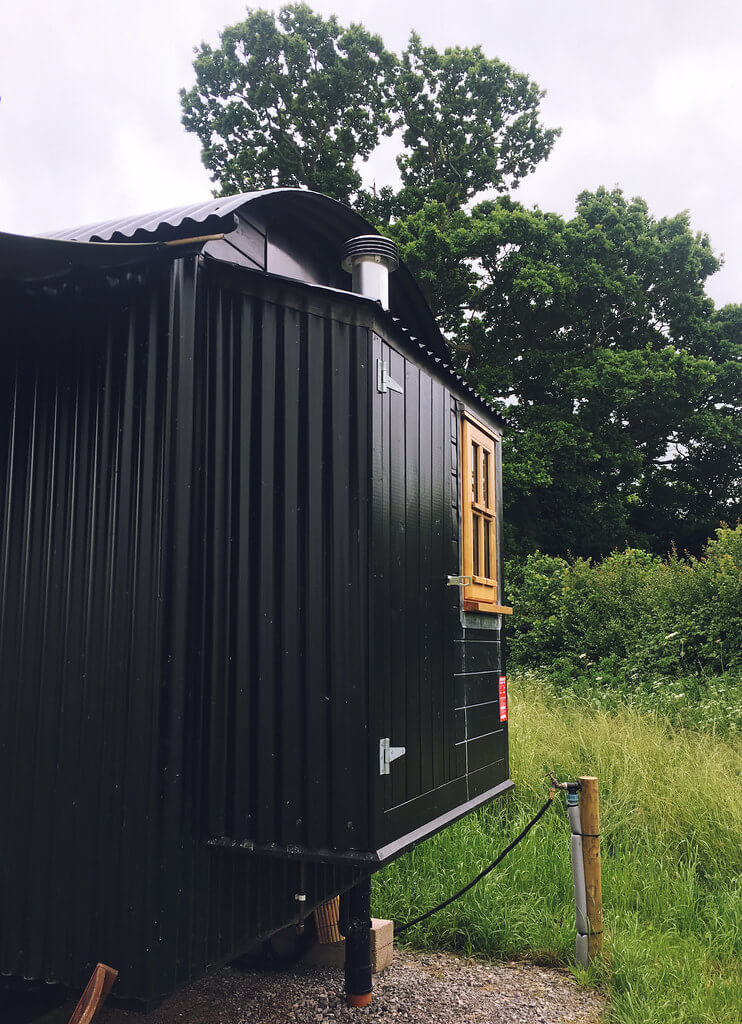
(382, 944)
(333, 953)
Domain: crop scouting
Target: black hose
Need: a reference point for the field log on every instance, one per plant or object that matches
(398, 929)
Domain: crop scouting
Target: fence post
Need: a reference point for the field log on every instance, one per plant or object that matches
(590, 823)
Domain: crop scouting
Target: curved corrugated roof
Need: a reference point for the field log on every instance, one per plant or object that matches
(310, 211)
(187, 218)
(321, 213)
(32, 258)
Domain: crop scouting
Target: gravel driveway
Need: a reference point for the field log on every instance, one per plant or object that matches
(417, 989)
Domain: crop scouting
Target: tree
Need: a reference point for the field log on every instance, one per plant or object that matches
(470, 125)
(300, 100)
(594, 335)
(596, 338)
(293, 101)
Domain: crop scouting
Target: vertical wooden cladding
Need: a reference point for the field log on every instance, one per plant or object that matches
(195, 643)
(281, 418)
(122, 474)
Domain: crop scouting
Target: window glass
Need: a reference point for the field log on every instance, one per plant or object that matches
(486, 570)
(474, 471)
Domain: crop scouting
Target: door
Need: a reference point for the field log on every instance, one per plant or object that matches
(415, 614)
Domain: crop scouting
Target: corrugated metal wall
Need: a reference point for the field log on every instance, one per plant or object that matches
(114, 604)
(282, 480)
(195, 643)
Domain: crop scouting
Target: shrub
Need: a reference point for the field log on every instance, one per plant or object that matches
(633, 620)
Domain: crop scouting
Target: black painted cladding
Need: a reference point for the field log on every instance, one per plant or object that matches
(223, 560)
(425, 656)
(284, 648)
(118, 623)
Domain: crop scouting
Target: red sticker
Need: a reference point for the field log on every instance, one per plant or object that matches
(503, 698)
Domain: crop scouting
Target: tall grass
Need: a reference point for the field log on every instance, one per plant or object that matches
(671, 806)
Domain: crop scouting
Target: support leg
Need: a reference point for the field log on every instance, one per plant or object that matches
(355, 925)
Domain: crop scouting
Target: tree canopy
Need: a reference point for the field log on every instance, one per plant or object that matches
(470, 125)
(297, 99)
(594, 334)
(292, 101)
(598, 340)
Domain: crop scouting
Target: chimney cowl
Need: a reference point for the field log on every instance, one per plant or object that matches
(370, 259)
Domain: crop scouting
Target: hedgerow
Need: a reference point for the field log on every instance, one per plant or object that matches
(657, 631)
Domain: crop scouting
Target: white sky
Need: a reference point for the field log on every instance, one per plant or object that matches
(648, 94)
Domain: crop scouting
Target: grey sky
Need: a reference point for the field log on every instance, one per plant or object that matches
(648, 95)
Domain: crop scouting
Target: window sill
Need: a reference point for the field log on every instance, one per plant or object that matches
(484, 606)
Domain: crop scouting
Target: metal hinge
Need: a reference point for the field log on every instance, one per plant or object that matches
(387, 754)
(459, 581)
(384, 382)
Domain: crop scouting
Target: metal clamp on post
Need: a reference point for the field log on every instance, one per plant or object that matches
(578, 872)
(585, 876)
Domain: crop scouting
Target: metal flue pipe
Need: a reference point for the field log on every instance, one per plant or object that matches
(371, 259)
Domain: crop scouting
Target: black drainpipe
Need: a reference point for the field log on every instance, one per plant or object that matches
(355, 925)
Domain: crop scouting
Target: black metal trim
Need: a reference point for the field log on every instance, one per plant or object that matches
(375, 858)
(405, 843)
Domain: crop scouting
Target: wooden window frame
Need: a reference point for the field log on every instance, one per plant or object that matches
(479, 515)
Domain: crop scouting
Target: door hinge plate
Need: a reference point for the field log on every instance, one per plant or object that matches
(459, 581)
(387, 754)
(384, 382)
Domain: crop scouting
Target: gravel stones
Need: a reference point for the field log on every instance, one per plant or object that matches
(419, 988)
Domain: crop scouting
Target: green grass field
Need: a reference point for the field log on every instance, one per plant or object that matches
(671, 809)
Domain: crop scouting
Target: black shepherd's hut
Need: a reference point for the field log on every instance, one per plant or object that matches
(250, 589)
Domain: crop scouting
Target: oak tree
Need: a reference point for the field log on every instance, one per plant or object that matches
(298, 99)
(292, 100)
(594, 334)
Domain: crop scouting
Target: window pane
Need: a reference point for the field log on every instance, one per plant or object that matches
(475, 542)
(485, 478)
(487, 572)
(474, 463)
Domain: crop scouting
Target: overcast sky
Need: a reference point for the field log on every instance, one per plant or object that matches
(648, 94)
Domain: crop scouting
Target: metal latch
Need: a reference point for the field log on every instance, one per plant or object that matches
(459, 581)
(384, 382)
(387, 754)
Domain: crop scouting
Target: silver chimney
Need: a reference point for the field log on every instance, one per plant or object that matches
(371, 259)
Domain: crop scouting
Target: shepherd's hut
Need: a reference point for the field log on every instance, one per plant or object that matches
(250, 591)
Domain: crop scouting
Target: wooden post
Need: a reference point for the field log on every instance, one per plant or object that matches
(590, 822)
(94, 995)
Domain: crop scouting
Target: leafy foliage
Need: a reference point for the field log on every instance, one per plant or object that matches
(597, 339)
(296, 99)
(594, 334)
(469, 124)
(634, 622)
(290, 102)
